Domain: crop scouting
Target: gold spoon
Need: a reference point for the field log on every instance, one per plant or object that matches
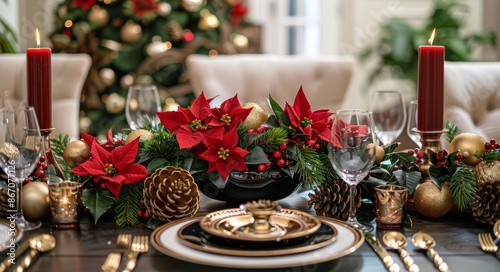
(424, 241)
(39, 243)
(397, 240)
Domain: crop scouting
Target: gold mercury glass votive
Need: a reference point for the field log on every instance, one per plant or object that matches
(390, 206)
(65, 201)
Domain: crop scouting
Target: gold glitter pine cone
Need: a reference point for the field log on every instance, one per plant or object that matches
(487, 172)
(332, 199)
(171, 193)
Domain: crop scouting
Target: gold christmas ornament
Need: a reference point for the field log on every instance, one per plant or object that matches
(239, 40)
(107, 76)
(207, 20)
(379, 153)
(192, 5)
(171, 193)
(468, 144)
(35, 199)
(76, 152)
(164, 9)
(257, 116)
(143, 134)
(487, 172)
(98, 16)
(127, 81)
(156, 46)
(131, 32)
(432, 202)
(115, 103)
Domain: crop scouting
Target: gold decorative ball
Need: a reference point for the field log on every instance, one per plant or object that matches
(115, 103)
(468, 144)
(487, 172)
(379, 154)
(76, 152)
(35, 199)
(107, 76)
(98, 16)
(257, 116)
(164, 9)
(432, 202)
(143, 134)
(131, 32)
(192, 5)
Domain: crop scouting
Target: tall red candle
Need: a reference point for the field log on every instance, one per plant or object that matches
(430, 87)
(39, 83)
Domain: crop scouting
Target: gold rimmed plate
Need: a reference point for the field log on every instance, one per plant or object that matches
(193, 236)
(165, 240)
(236, 224)
(8, 232)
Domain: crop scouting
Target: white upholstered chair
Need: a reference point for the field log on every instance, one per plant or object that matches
(69, 72)
(472, 97)
(256, 76)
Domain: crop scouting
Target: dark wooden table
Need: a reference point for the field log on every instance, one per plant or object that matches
(85, 249)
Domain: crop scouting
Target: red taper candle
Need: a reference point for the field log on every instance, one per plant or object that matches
(39, 83)
(430, 86)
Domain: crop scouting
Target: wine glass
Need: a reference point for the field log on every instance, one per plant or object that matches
(351, 151)
(142, 103)
(389, 115)
(20, 149)
(412, 123)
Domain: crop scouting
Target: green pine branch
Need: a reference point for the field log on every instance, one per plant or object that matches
(271, 139)
(463, 187)
(163, 145)
(310, 166)
(128, 204)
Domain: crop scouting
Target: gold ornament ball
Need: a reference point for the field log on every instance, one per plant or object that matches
(131, 32)
(432, 202)
(76, 152)
(143, 134)
(98, 16)
(35, 199)
(107, 75)
(487, 172)
(379, 154)
(468, 144)
(257, 116)
(191, 5)
(164, 9)
(115, 103)
(233, 2)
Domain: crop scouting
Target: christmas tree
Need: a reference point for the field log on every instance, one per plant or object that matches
(145, 42)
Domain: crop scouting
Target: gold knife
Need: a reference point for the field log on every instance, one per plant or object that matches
(382, 253)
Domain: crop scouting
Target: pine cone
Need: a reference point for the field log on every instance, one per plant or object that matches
(332, 199)
(486, 203)
(171, 193)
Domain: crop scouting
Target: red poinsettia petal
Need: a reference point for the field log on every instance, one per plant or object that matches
(225, 167)
(124, 156)
(198, 107)
(292, 116)
(88, 139)
(230, 104)
(241, 114)
(114, 185)
(209, 155)
(172, 120)
(134, 173)
(99, 153)
(301, 104)
(188, 138)
(91, 167)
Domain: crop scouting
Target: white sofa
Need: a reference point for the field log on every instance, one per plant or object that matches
(472, 97)
(256, 76)
(69, 72)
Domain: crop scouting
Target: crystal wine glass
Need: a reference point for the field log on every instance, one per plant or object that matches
(142, 103)
(412, 123)
(389, 115)
(20, 149)
(351, 151)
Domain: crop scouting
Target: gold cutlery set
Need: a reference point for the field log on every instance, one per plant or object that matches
(128, 246)
(34, 245)
(486, 239)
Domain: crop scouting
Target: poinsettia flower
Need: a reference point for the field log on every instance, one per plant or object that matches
(347, 135)
(309, 122)
(190, 125)
(229, 114)
(143, 7)
(113, 168)
(84, 4)
(109, 145)
(223, 155)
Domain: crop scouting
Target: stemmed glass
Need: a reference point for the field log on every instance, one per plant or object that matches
(412, 123)
(20, 149)
(389, 115)
(142, 103)
(351, 151)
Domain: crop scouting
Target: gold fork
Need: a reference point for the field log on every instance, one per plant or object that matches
(140, 244)
(486, 242)
(114, 258)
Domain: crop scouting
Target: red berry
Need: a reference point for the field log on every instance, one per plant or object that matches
(496, 146)
(141, 202)
(317, 146)
(146, 215)
(277, 154)
(455, 162)
(311, 143)
(283, 146)
(96, 179)
(27, 180)
(411, 152)
(281, 162)
(492, 141)
(460, 156)
(102, 186)
(42, 158)
(39, 173)
(261, 129)
(251, 131)
(45, 166)
(38, 164)
(140, 213)
(487, 146)
(261, 167)
(45, 179)
(420, 155)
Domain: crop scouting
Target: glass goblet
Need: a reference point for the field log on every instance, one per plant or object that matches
(20, 149)
(143, 102)
(351, 151)
(412, 123)
(389, 115)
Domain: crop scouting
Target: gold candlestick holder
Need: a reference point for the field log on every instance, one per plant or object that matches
(430, 141)
(47, 150)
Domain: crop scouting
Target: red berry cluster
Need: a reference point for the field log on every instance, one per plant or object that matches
(419, 155)
(491, 145)
(39, 173)
(275, 158)
(143, 212)
(259, 130)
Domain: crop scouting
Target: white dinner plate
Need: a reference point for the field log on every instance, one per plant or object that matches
(165, 240)
(6, 234)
